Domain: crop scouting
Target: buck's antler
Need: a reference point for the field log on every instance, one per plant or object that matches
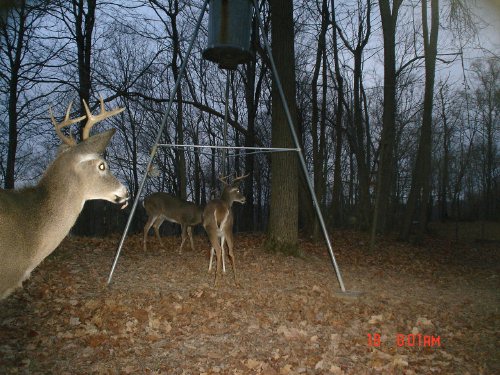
(223, 179)
(236, 179)
(92, 120)
(70, 141)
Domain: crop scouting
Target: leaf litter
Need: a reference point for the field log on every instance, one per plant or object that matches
(161, 314)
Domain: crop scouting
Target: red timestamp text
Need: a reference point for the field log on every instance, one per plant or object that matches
(410, 340)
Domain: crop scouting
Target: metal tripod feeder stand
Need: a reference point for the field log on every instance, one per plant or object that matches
(230, 24)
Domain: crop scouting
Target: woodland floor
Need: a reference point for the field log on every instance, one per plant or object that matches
(161, 314)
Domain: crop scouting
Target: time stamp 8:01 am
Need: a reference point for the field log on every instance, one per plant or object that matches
(410, 340)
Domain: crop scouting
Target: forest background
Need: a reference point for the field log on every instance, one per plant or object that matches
(397, 105)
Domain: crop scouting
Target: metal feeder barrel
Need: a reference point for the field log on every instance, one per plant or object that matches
(229, 25)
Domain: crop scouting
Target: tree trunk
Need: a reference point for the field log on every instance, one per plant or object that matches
(84, 27)
(381, 219)
(493, 95)
(444, 181)
(283, 219)
(13, 96)
(339, 109)
(420, 189)
(359, 134)
(248, 209)
(171, 9)
(252, 95)
(180, 157)
(197, 167)
(361, 148)
(318, 132)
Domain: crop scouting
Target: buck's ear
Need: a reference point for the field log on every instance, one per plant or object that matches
(96, 144)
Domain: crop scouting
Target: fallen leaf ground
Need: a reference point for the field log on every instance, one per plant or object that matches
(161, 314)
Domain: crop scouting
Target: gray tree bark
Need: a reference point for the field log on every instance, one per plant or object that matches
(283, 218)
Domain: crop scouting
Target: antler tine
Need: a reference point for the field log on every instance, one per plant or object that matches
(236, 179)
(223, 179)
(92, 120)
(70, 141)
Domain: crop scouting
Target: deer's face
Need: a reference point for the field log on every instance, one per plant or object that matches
(91, 171)
(236, 195)
(98, 181)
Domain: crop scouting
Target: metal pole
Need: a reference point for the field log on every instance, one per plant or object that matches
(155, 146)
(276, 149)
(299, 151)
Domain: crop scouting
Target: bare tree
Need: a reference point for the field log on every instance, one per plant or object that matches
(389, 19)
(444, 178)
(318, 116)
(171, 9)
(420, 189)
(283, 219)
(339, 110)
(358, 134)
(487, 95)
(21, 68)
(124, 70)
(253, 79)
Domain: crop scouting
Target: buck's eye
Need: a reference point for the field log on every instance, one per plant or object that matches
(102, 166)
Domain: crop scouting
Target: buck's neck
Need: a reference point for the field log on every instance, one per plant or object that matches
(57, 203)
(227, 197)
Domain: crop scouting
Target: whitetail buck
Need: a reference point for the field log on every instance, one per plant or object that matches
(34, 221)
(218, 223)
(162, 206)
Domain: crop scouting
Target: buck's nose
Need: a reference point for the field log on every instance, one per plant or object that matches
(122, 197)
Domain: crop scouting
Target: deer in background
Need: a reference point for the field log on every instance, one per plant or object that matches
(34, 221)
(162, 206)
(218, 223)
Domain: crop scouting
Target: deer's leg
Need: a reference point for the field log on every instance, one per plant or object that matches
(222, 254)
(214, 241)
(190, 234)
(218, 254)
(156, 226)
(229, 240)
(184, 229)
(148, 225)
(212, 252)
